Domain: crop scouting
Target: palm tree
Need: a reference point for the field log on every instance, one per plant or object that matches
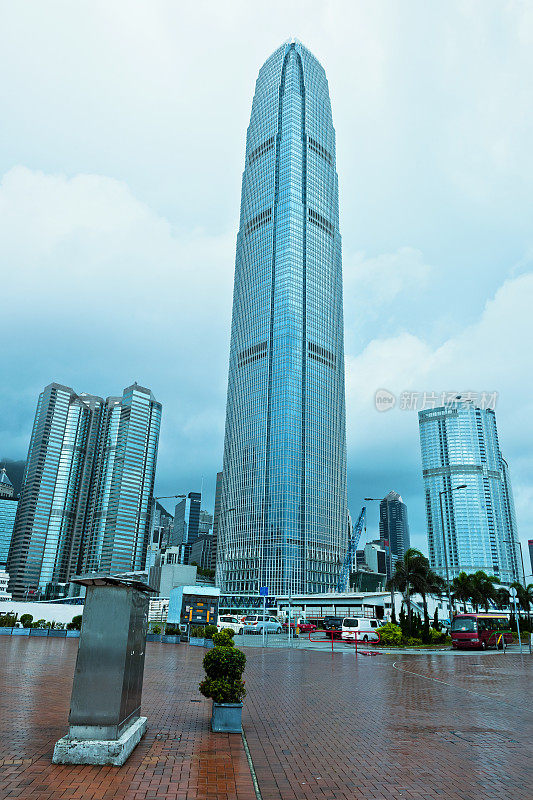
(434, 585)
(462, 589)
(408, 572)
(502, 597)
(524, 596)
(483, 588)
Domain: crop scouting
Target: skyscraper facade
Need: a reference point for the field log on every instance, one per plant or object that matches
(186, 525)
(8, 512)
(460, 446)
(393, 528)
(216, 519)
(87, 491)
(283, 519)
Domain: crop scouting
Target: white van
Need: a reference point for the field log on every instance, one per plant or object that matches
(364, 627)
(227, 621)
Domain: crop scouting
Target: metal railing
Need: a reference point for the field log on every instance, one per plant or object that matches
(348, 642)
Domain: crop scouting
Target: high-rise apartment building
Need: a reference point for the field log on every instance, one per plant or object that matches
(283, 521)
(87, 491)
(393, 528)
(460, 446)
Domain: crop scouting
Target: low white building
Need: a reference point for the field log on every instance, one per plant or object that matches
(4, 580)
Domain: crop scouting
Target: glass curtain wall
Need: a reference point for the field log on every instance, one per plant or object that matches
(459, 445)
(283, 513)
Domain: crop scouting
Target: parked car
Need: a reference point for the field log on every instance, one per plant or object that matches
(302, 625)
(333, 626)
(254, 623)
(364, 628)
(227, 621)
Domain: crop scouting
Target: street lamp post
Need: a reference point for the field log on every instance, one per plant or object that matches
(446, 491)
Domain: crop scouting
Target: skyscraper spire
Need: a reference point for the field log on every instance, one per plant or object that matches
(283, 517)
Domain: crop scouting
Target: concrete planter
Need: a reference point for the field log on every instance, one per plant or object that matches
(227, 718)
(170, 638)
(153, 637)
(196, 641)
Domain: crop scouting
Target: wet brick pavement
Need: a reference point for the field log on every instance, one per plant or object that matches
(318, 726)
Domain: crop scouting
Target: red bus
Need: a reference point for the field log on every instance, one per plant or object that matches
(480, 630)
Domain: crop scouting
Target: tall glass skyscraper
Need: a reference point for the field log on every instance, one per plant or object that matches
(283, 518)
(87, 491)
(393, 528)
(459, 446)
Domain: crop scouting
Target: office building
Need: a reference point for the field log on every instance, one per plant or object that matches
(8, 511)
(167, 573)
(4, 582)
(6, 487)
(283, 519)
(205, 523)
(162, 525)
(202, 551)
(160, 533)
(393, 528)
(216, 518)
(186, 525)
(87, 491)
(460, 446)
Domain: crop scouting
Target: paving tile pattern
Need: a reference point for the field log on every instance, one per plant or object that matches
(337, 728)
(318, 726)
(178, 759)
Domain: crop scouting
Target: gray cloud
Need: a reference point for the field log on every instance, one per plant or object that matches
(123, 146)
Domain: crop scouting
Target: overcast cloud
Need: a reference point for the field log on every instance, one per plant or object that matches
(123, 141)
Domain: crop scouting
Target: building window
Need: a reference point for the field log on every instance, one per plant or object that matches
(261, 150)
(317, 148)
(258, 221)
(323, 223)
(253, 353)
(321, 354)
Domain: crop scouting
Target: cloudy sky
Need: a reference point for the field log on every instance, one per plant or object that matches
(123, 137)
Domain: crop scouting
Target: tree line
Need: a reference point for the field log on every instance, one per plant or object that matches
(413, 575)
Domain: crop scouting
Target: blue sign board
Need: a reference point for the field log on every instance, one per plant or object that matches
(263, 591)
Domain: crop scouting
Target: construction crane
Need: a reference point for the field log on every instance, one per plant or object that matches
(350, 553)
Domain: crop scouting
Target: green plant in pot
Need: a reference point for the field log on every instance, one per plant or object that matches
(224, 666)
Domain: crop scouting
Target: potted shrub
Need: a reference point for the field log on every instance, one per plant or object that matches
(209, 632)
(196, 636)
(224, 666)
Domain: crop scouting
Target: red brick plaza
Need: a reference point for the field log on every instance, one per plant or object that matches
(318, 726)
